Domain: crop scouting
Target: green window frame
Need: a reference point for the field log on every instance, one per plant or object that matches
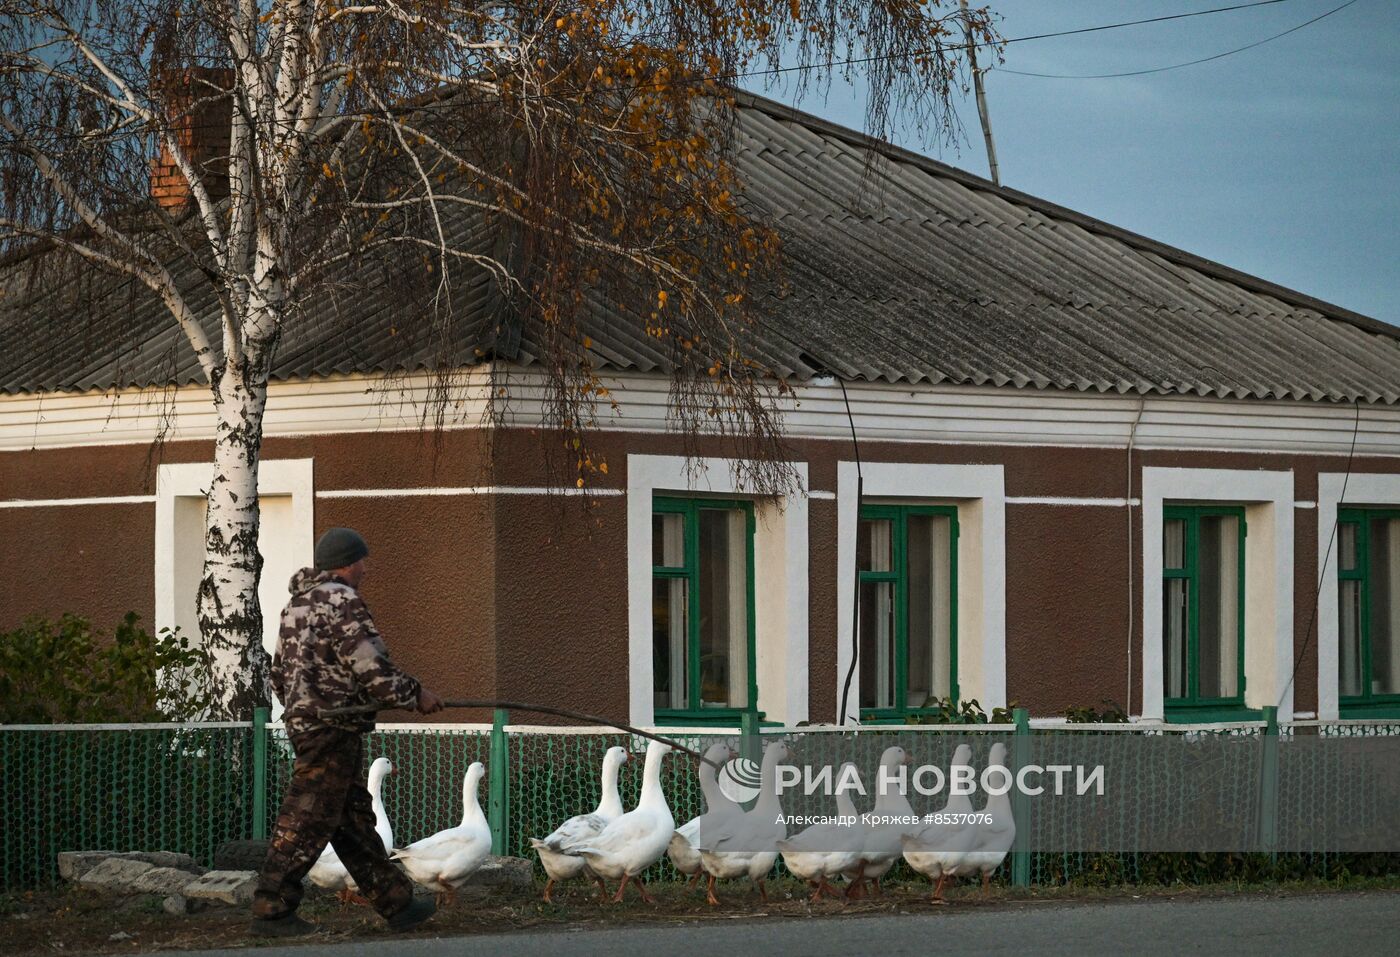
(689, 572)
(897, 576)
(1190, 703)
(1359, 582)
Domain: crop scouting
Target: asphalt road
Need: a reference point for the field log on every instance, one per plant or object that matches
(1337, 924)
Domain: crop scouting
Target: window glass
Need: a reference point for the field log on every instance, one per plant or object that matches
(1203, 605)
(929, 615)
(875, 545)
(1383, 581)
(669, 660)
(1349, 607)
(1174, 543)
(1346, 545)
(668, 539)
(702, 633)
(1219, 593)
(877, 644)
(724, 628)
(908, 606)
(1175, 597)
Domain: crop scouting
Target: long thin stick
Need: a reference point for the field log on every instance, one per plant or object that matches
(538, 709)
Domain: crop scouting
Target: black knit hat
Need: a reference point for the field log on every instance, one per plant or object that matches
(338, 548)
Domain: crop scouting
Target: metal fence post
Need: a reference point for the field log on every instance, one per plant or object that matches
(497, 802)
(1268, 785)
(260, 718)
(1020, 803)
(749, 736)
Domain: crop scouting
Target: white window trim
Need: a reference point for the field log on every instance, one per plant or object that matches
(1267, 498)
(780, 581)
(980, 491)
(1361, 489)
(294, 477)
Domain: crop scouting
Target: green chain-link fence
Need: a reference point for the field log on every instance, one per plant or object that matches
(83, 787)
(190, 788)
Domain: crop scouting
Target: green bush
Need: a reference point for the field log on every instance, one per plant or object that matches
(951, 711)
(65, 671)
(1112, 713)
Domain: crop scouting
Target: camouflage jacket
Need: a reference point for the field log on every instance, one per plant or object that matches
(330, 655)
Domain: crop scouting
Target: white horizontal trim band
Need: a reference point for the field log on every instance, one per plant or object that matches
(932, 415)
(1054, 500)
(100, 500)
(464, 490)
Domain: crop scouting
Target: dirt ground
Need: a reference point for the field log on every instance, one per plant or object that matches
(80, 922)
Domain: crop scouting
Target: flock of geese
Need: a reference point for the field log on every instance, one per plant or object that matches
(442, 863)
(727, 842)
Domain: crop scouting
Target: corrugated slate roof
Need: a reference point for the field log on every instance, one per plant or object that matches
(905, 270)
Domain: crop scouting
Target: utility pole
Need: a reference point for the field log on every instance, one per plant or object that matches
(981, 98)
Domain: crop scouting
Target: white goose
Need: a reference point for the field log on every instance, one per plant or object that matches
(684, 855)
(938, 849)
(995, 833)
(880, 843)
(637, 839)
(328, 871)
(825, 850)
(747, 845)
(444, 861)
(558, 850)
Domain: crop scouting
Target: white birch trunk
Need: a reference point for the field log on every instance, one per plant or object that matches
(230, 616)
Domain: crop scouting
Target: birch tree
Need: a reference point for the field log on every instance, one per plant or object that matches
(237, 159)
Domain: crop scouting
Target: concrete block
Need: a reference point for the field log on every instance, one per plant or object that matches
(224, 887)
(114, 875)
(164, 881)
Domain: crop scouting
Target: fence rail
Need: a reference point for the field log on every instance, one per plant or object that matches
(191, 787)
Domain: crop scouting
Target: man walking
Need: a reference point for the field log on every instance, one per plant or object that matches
(330, 655)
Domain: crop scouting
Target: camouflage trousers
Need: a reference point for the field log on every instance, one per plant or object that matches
(327, 802)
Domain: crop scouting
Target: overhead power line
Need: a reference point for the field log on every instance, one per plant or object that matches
(824, 65)
(1178, 66)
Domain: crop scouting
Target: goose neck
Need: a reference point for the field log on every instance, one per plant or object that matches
(768, 782)
(471, 807)
(610, 802)
(651, 780)
(709, 786)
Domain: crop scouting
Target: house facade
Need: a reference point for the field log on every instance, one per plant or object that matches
(1041, 461)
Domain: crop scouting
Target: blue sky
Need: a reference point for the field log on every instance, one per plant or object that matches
(1282, 161)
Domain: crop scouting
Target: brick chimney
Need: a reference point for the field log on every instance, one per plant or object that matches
(201, 124)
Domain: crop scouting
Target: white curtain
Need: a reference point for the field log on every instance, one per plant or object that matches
(680, 616)
(1385, 662)
(1229, 622)
(942, 611)
(738, 609)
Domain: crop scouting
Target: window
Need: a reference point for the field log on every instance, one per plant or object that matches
(1368, 605)
(1203, 607)
(702, 610)
(906, 557)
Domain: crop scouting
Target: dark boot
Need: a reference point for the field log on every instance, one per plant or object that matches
(288, 925)
(414, 914)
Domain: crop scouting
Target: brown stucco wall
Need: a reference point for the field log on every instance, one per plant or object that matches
(561, 598)
(93, 560)
(524, 596)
